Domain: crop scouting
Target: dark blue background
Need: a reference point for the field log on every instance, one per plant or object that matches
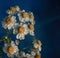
(47, 28)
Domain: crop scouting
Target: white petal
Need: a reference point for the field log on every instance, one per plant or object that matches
(9, 12)
(18, 14)
(35, 45)
(17, 9)
(5, 49)
(14, 31)
(33, 53)
(39, 48)
(23, 10)
(22, 37)
(8, 55)
(12, 43)
(32, 33)
(4, 25)
(17, 36)
(9, 27)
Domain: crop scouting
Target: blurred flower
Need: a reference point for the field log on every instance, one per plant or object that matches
(31, 29)
(31, 17)
(10, 49)
(17, 42)
(13, 10)
(37, 44)
(21, 31)
(23, 16)
(17, 8)
(9, 22)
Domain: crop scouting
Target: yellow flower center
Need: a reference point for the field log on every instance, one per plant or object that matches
(37, 56)
(31, 16)
(10, 50)
(23, 14)
(21, 29)
(31, 27)
(8, 20)
(38, 42)
(12, 8)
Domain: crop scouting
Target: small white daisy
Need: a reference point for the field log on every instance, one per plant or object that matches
(31, 17)
(11, 10)
(37, 44)
(31, 29)
(9, 22)
(17, 8)
(17, 42)
(23, 16)
(21, 31)
(10, 49)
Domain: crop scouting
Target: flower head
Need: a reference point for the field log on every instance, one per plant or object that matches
(17, 8)
(10, 49)
(31, 16)
(23, 16)
(31, 29)
(9, 22)
(13, 10)
(37, 45)
(21, 31)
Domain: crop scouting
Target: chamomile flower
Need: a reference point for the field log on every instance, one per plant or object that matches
(21, 31)
(23, 16)
(37, 45)
(11, 10)
(10, 49)
(31, 29)
(31, 17)
(9, 22)
(17, 42)
(17, 8)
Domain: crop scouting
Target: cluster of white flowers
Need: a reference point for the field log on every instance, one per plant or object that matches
(25, 24)
(12, 50)
(34, 52)
(21, 23)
